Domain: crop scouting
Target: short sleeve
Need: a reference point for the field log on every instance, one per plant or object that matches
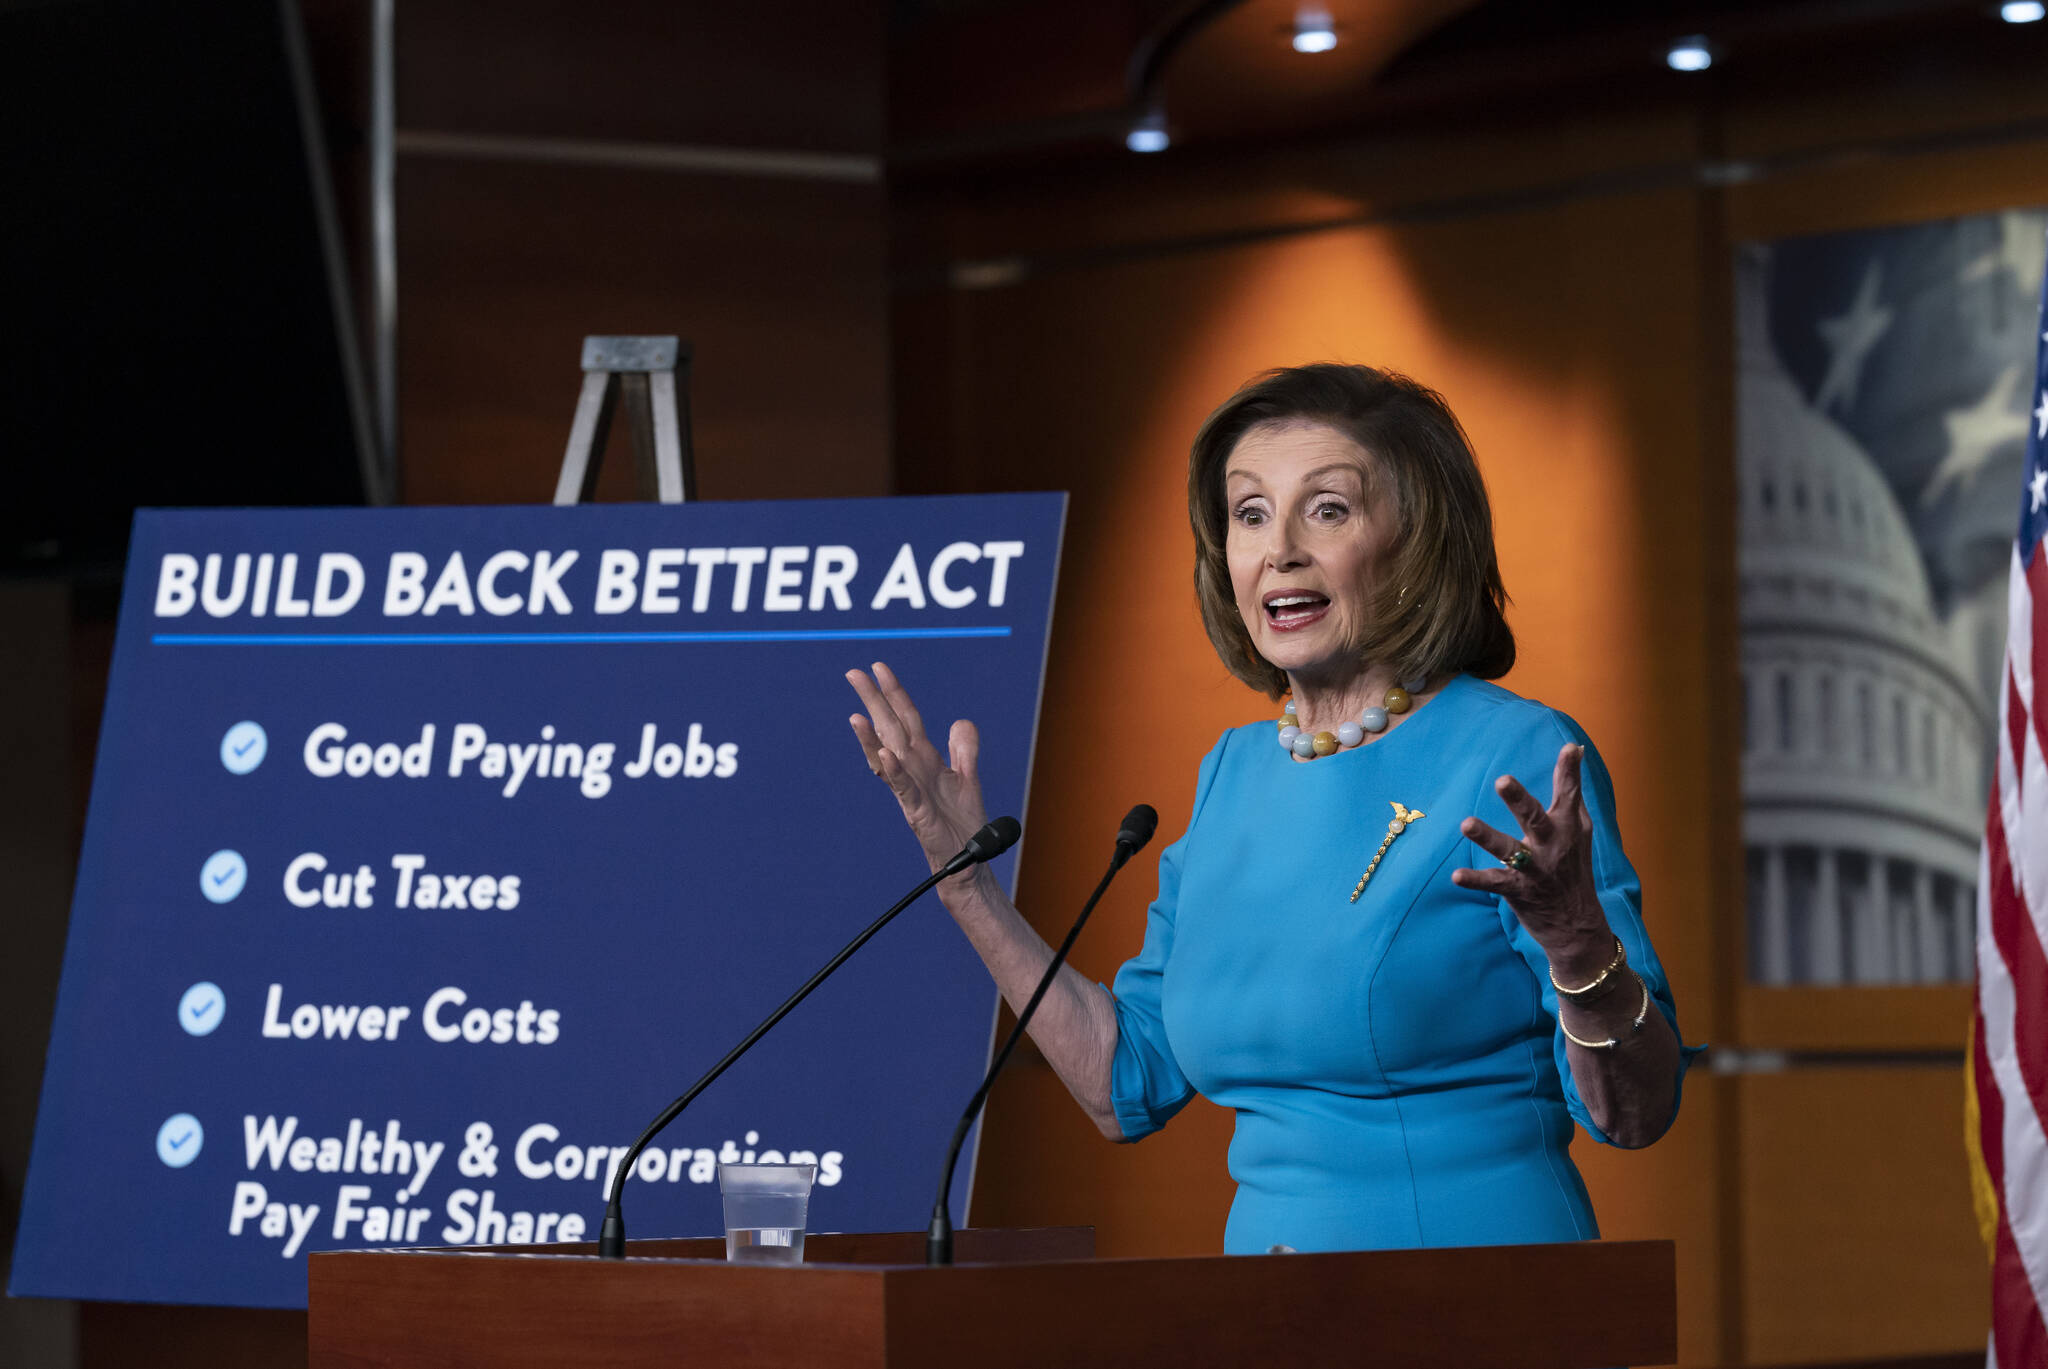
(1146, 1085)
(1533, 761)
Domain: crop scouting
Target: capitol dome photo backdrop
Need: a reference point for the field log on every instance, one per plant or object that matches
(1882, 417)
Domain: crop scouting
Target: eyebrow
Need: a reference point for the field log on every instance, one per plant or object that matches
(1334, 467)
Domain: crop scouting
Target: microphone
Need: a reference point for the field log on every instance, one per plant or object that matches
(990, 842)
(1139, 825)
(1137, 829)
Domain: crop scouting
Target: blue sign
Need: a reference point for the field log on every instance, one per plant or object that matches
(432, 851)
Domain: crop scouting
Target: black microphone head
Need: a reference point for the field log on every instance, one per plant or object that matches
(1139, 825)
(992, 840)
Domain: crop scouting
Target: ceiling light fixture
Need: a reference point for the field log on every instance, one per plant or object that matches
(1690, 54)
(1145, 76)
(1314, 32)
(1148, 134)
(2023, 11)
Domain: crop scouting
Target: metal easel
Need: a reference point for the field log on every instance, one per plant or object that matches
(653, 374)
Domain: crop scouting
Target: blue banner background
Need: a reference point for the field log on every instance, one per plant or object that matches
(662, 920)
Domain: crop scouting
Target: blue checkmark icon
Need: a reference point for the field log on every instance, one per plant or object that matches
(178, 1140)
(223, 876)
(202, 1008)
(243, 748)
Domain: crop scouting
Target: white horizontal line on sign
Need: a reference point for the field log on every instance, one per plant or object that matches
(846, 634)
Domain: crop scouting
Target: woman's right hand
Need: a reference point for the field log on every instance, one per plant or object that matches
(941, 802)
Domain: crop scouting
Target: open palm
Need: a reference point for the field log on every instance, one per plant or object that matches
(940, 794)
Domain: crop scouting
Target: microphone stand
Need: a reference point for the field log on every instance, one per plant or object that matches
(938, 1248)
(611, 1236)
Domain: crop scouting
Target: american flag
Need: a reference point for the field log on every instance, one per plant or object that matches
(2007, 1077)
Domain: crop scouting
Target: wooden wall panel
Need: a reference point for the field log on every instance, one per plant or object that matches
(1563, 338)
(119, 1334)
(1858, 1238)
(1567, 286)
(505, 266)
(798, 74)
(1059, 214)
(506, 263)
(39, 806)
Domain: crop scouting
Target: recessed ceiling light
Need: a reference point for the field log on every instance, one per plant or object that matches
(1148, 134)
(1314, 33)
(2023, 11)
(1690, 54)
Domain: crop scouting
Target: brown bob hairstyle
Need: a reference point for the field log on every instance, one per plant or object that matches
(1439, 605)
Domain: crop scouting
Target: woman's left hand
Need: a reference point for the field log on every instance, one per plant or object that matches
(1553, 892)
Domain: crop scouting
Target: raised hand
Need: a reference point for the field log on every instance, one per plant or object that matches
(1547, 875)
(940, 795)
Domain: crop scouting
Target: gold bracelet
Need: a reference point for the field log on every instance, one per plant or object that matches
(1585, 991)
(1642, 1016)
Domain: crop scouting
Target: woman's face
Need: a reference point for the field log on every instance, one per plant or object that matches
(1305, 543)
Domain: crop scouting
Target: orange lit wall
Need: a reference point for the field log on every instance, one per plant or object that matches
(1567, 289)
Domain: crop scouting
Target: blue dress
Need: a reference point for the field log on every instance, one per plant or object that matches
(1395, 1064)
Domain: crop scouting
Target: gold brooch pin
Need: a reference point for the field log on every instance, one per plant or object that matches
(1402, 817)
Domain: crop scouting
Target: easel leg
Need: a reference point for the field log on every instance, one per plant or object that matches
(587, 433)
(657, 410)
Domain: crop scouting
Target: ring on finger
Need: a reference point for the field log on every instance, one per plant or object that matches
(1518, 859)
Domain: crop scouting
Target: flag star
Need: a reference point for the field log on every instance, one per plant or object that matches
(2041, 417)
(1976, 433)
(2038, 488)
(2018, 251)
(1850, 338)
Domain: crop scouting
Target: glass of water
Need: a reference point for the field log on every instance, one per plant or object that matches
(765, 1208)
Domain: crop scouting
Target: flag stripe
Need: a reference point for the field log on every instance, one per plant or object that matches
(1990, 1111)
(2034, 573)
(2009, 1062)
(2015, 721)
(2026, 810)
(2019, 623)
(2013, 1133)
(2011, 1055)
(2019, 1337)
(2011, 1335)
(2019, 1140)
(2012, 932)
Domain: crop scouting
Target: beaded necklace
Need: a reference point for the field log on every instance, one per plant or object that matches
(1310, 745)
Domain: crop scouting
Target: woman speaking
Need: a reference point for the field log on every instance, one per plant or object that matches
(1404, 967)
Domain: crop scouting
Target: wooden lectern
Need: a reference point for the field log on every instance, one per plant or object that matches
(1015, 1298)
